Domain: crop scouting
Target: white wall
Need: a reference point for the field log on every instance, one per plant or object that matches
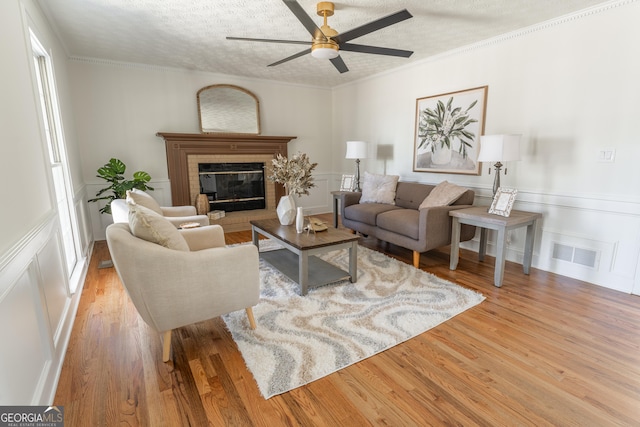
(571, 88)
(21, 137)
(120, 107)
(37, 306)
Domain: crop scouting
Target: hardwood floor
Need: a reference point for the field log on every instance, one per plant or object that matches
(542, 350)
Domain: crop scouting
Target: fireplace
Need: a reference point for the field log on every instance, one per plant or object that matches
(233, 187)
(185, 151)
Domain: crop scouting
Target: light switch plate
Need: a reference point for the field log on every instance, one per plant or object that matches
(606, 155)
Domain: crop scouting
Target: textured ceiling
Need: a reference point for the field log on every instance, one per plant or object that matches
(190, 34)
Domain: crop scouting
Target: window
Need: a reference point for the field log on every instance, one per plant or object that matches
(61, 184)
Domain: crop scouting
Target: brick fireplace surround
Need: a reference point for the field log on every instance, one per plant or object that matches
(186, 150)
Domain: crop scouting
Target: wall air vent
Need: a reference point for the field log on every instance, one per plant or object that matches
(586, 257)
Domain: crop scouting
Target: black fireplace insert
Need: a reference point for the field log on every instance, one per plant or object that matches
(233, 186)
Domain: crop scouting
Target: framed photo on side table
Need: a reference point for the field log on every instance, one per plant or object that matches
(503, 201)
(348, 182)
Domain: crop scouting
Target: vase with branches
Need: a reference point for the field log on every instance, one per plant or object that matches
(295, 175)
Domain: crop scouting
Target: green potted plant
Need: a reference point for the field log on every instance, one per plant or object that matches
(113, 172)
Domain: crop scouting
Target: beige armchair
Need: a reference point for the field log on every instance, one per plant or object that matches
(199, 278)
(175, 214)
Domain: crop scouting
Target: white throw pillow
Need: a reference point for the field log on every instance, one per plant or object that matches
(443, 194)
(143, 199)
(147, 225)
(379, 189)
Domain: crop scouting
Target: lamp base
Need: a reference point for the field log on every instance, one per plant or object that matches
(357, 188)
(496, 180)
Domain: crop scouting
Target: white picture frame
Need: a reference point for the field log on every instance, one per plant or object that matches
(503, 201)
(347, 183)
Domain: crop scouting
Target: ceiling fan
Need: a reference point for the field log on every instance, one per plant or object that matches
(326, 42)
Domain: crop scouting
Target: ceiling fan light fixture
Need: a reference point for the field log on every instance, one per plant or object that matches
(326, 42)
(324, 50)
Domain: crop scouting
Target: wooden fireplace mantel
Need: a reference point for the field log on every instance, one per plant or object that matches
(181, 145)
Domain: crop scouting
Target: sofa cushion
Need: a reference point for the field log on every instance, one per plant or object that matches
(401, 221)
(379, 188)
(367, 212)
(443, 194)
(143, 199)
(410, 194)
(147, 225)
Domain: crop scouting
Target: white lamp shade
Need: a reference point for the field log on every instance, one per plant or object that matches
(356, 150)
(499, 148)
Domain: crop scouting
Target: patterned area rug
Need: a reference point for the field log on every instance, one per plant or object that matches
(301, 339)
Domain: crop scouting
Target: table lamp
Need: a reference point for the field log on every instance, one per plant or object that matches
(357, 150)
(499, 148)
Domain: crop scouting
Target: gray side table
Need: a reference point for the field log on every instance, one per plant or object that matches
(479, 217)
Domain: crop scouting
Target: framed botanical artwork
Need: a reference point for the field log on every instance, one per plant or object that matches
(503, 201)
(448, 129)
(348, 182)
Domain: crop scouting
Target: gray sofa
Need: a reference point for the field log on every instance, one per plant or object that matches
(403, 224)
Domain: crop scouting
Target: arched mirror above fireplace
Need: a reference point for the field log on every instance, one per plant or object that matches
(227, 108)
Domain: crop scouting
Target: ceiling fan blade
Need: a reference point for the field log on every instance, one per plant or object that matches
(269, 40)
(305, 19)
(289, 58)
(339, 64)
(350, 47)
(372, 26)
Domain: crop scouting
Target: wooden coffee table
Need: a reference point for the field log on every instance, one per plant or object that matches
(297, 260)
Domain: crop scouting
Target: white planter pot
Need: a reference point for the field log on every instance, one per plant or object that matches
(286, 210)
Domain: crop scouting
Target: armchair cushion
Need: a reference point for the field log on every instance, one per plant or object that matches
(443, 194)
(147, 225)
(143, 199)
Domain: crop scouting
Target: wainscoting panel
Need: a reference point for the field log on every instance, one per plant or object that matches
(37, 312)
(53, 283)
(25, 353)
(319, 199)
(597, 227)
